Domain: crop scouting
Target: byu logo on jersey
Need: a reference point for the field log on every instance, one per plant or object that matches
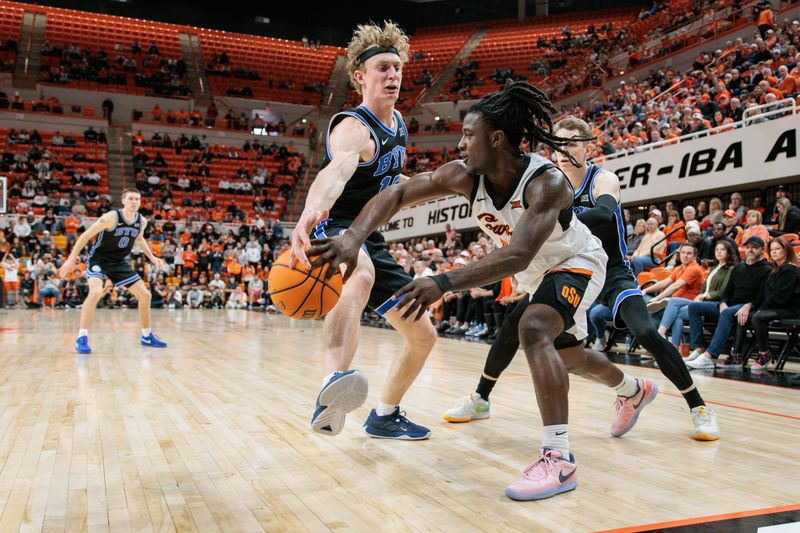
(126, 232)
(393, 160)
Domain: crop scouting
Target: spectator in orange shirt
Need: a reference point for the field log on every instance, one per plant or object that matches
(189, 258)
(235, 270)
(675, 240)
(766, 19)
(684, 281)
(754, 228)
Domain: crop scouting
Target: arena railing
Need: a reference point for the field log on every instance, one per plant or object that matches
(752, 115)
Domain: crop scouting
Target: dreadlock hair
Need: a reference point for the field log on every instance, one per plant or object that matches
(521, 110)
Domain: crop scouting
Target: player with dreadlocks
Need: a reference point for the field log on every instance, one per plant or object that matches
(524, 203)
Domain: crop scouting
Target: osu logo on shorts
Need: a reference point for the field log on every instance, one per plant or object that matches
(571, 295)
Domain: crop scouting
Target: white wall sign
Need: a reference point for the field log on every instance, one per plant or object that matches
(740, 158)
(743, 157)
(430, 218)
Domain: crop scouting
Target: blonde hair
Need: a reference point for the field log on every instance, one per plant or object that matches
(367, 36)
(755, 213)
(576, 124)
(787, 204)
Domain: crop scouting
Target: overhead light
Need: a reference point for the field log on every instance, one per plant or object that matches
(262, 20)
(304, 121)
(437, 118)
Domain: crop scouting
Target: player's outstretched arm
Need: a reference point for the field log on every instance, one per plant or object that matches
(546, 197)
(348, 140)
(451, 178)
(103, 223)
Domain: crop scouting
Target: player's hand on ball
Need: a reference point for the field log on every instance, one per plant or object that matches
(339, 250)
(300, 241)
(417, 296)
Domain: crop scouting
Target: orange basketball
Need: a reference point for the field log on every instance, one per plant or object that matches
(298, 293)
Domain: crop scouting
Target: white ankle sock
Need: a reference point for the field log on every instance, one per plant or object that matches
(83, 333)
(385, 409)
(627, 387)
(556, 438)
(146, 332)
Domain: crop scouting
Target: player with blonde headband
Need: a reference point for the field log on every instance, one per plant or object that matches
(365, 152)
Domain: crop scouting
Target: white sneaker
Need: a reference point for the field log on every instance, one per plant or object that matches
(697, 352)
(599, 344)
(705, 423)
(469, 408)
(701, 363)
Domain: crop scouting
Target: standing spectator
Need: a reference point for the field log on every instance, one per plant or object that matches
(766, 19)
(743, 289)
(108, 109)
(11, 278)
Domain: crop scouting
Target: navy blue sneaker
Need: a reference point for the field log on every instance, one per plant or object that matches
(152, 341)
(394, 426)
(82, 344)
(343, 392)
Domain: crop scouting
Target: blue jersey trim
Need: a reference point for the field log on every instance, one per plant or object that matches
(363, 121)
(383, 126)
(622, 296)
(388, 305)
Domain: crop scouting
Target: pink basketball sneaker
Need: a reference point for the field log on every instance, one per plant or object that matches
(629, 409)
(551, 474)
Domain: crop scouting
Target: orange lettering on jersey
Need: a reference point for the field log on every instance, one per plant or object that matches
(498, 229)
(503, 242)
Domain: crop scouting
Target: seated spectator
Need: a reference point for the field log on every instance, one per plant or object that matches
(742, 290)
(237, 299)
(674, 223)
(754, 228)
(683, 282)
(788, 217)
(676, 312)
(90, 135)
(641, 258)
(779, 298)
(194, 298)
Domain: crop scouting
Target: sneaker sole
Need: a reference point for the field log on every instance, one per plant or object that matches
(340, 397)
(641, 408)
(705, 436)
(704, 367)
(457, 420)
(401, 437)
(526, 496)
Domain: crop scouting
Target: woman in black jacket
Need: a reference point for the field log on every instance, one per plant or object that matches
(788, 218)
(779, 297)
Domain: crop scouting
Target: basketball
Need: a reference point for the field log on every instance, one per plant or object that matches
(298, 293)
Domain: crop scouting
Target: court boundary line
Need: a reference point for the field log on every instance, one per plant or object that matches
(702, 519)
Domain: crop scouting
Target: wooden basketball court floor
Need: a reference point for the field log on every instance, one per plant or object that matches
(211, 434)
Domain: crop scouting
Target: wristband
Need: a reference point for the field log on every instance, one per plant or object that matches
(443, 282)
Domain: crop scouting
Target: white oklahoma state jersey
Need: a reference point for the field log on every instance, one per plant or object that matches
(570, 247)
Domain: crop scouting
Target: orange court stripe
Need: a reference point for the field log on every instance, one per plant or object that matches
(743, 408)
(702, 519)
(573, 271)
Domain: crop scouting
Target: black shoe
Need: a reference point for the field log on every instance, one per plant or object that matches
(444, 326)
(734, 359)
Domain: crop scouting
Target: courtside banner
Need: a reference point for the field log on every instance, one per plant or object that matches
(430, 218)
(742, 157)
